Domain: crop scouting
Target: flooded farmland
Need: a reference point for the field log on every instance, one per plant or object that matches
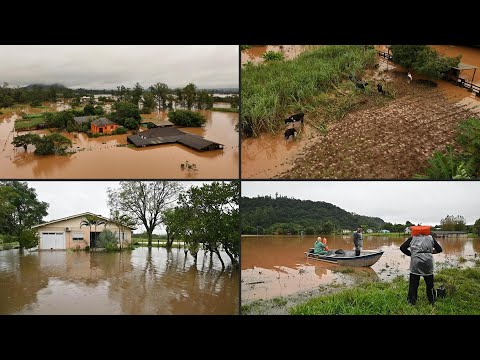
(274, 266)
(372, 140)
(110, 157)
(138, 282)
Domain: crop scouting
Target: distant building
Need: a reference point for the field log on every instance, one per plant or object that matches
(103, 126)
(407, 230)
(346, 231)
(384, 231)
(369, 231)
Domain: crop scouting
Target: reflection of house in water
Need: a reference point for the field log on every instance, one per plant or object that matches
(449, 234)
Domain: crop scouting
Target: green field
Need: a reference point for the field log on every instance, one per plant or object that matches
(381, 298)
(29, 123)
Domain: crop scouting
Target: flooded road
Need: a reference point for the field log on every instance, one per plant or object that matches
(137, 282)
(108, 156)
(275, 266)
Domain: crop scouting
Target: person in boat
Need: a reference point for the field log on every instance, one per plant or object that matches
(420, 249)
(358, 241)
(324, 240)
(319, 248)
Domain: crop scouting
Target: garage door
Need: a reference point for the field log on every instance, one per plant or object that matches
(52, 240)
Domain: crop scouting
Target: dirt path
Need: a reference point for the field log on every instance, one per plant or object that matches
(390, 142)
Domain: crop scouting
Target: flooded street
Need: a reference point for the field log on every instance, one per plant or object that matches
(108, 157)
(275, 266)
(137, 282)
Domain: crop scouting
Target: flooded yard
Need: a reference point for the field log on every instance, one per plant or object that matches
(109, 157)
(138, 282)
(274, 266)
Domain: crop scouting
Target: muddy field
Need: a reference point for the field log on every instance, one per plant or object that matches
(392, 140)
(109, 157)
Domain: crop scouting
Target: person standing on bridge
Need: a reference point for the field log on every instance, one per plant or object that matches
(422, 245)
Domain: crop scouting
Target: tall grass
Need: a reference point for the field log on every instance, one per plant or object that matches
(272, 90)
(463, 287)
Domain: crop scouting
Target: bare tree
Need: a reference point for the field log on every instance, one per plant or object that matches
(144, 201)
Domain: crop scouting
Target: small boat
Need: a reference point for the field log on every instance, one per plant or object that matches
(347, 257)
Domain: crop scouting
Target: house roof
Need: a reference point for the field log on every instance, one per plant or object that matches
(83, 119)
(102, 122)
(76, 216)
(168, 135)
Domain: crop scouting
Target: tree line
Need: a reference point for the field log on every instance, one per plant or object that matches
(288, 215)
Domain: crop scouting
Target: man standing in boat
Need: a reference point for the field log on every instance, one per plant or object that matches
(358, 241)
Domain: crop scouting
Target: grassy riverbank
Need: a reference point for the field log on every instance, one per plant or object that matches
(273, 89)
(380, 298)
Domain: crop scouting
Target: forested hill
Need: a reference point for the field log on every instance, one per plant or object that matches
(284, 215)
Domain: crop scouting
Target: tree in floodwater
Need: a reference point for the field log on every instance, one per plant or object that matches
(476, 227)
(144, 201)
(25, 140)
(28, 239)
(453, 223)
(137, 92)
(160, 92)
(19, 208)
(209, 215)
(423, 59)
(190, 94)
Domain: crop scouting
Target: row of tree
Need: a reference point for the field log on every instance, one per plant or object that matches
(202, 217)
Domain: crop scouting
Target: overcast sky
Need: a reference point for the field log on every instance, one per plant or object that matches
(423, 202)
(108, 66)
(68, 198)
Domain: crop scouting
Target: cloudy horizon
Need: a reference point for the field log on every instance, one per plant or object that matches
(99, 67)
(66, 198)
(421, 202)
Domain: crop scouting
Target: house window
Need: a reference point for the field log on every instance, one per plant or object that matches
(78, 236)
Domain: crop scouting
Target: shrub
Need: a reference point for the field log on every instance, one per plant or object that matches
(273, 56)
(28, 239)
(186, 118)
(131, 123)
(107, 240)
(120, 131)
(87, 248)
(36, 103)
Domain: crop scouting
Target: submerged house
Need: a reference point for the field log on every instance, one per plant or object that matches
(171, 135)
(68, 232)
(83, 119)
(103, 126)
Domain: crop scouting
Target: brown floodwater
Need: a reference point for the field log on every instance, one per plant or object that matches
(268, 155)
(276, 265)
(108, 157)
(137, 282)
(254, 53)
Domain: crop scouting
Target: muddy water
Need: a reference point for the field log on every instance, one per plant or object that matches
(254, 53)
(276, 266)
(269, 155)
(470, 55)
(102, 157)
(137, 282)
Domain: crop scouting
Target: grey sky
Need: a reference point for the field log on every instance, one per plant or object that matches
(68, 198)
(108, 66)
(422, 202)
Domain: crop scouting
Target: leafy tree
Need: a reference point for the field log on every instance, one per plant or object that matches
(123, 222)
(476, 227)
(19, 208)
(423, 59)
(327, 227)
(148, 102)
(92, 220)
(453, 223)
(186, 118)
(130, 123)
(160, 93)
(99, 110)
(124, 111)
(144, 201)
(190, 93)
(89, 109)
(25, 140)
(28, 239)
(123, 93)
(137, 92)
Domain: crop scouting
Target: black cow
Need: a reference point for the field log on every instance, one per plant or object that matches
(296, 117)
(290, 132)
(361, 85)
